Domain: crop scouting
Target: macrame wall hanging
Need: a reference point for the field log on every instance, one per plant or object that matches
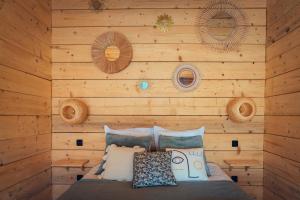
(164, 22)
(223, 25)
(111, 52)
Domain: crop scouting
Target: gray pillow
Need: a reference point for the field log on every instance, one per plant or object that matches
(180, 142)
(129, 141)
(183, 143)
(152, 169)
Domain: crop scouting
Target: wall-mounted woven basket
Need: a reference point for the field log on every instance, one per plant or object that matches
(73, 111)
(241, 109)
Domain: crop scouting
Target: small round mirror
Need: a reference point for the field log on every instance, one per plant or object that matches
(186, 77)
(221, 26)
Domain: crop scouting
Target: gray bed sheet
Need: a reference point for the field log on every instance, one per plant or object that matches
(112, 190)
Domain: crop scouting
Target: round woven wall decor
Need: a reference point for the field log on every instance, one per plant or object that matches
(111, 52)
(223, 25)
(73, 111)
(241, 109)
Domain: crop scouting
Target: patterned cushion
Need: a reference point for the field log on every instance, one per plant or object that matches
(180, 142)
(188, 164)
(152, 169)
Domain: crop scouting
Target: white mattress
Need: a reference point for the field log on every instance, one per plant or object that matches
(217, 174)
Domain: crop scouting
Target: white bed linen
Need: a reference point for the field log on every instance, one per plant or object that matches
(217, 174)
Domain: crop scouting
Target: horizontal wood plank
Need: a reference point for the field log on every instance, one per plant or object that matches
(127, 17)
(142, 35)
(19, 59)
(96, 141)
(20, 104)
(157, 88)
(12, 150)
(283, 146)
(248, 177)
(24, 126)
(287, 104)
(16, 172)
(280, 186)
(286, 43)
(15, 35)
(18, 16)
(287, 126)
(115, 4)
(284, 25)
(17, 81)
(283, 63)
(29, 187)
(152, 70)
(255, 192)
(156, 106)
(165, 52)
(283, 167)
(67, 175)
(213, 124)
(283, 84)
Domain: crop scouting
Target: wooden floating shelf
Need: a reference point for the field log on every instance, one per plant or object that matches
(70, 163)
(241, 163)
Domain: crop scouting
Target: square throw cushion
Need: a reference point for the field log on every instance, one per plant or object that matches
(188, 164)
(130, 131)
(159, 131)
(186, 133)
(153, 169)
(119, 163)
(130, 137)
(179, 142)
(129, 141)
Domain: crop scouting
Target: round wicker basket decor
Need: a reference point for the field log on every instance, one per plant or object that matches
(111, 52)
(73, 111)
(241, 109)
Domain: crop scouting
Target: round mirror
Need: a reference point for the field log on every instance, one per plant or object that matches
(186, 77)
(221, 26)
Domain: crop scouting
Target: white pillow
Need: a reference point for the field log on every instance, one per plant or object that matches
(188, 164)
(119, 163)
(130, 131)
(187, 133)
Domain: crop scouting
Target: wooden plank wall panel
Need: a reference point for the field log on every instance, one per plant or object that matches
(25, 99)
(281, 141)
(116, 100)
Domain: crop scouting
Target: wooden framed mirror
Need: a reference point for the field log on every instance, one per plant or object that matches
(186, 77)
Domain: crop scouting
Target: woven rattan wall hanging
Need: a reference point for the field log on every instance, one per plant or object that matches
(223, 25)
(112, 52)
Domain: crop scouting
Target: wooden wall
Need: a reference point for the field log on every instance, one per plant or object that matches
(282, 138)
(117, 101)
(25, 99)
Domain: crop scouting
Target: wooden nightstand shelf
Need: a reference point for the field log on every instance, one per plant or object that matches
(241, 163)
(70, 163)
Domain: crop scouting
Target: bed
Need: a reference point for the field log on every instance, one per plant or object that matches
(218, 187)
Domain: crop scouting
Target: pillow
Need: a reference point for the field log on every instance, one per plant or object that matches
(180, 142)
(132, 131)
(187, 133)
(119, 163)
(129, 141)
(152, 169)
(188, 164)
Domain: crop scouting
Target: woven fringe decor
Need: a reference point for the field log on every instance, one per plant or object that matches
(164, 22)
(73, 111)
(111, 52)
(241, 109)
(223, 25)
